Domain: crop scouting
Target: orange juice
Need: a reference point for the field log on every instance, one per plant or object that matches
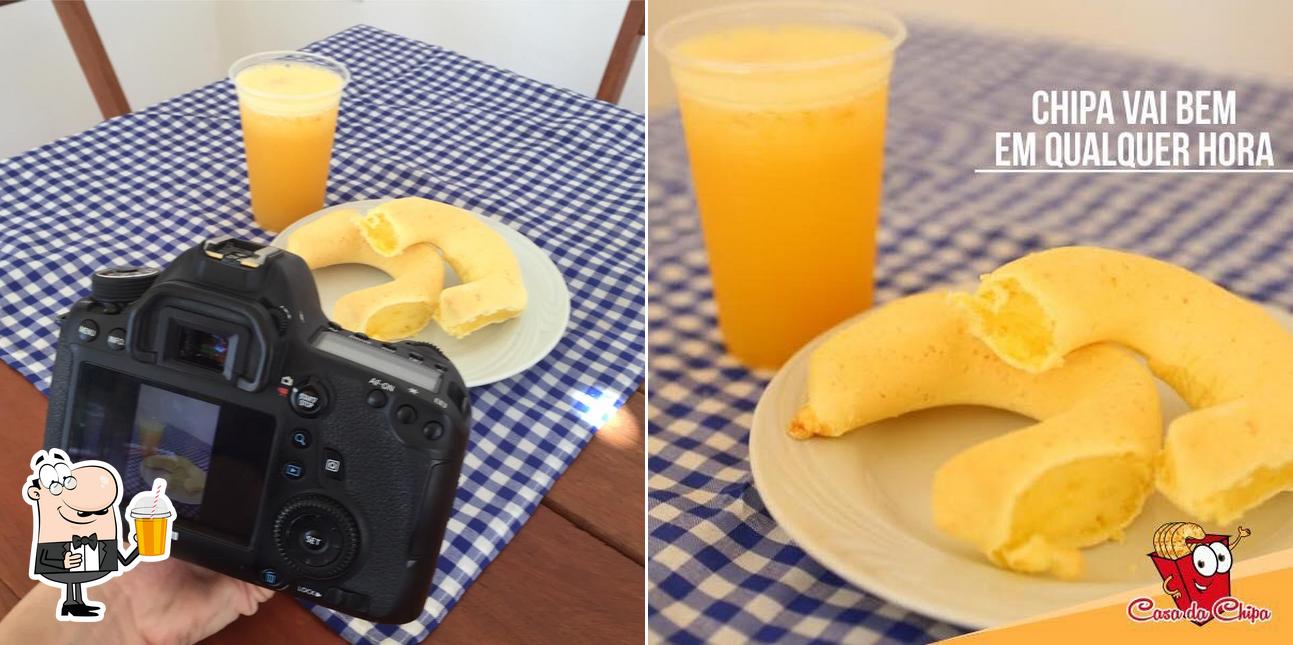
(150, 435)
(151, 535)
(289, 116)
(785, 131)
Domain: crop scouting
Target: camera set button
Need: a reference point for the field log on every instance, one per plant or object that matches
(301, 438)
(87, 331)
(308, 398)
(314, 540)
(376, 399)
(117, 339)
(406, 414)
(293, 470)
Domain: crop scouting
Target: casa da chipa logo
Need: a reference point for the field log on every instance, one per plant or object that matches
(1195, 567)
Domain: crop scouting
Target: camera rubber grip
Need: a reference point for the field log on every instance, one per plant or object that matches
(433, 513)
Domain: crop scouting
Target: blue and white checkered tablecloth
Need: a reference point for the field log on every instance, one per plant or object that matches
(565, 170)
(719, 567)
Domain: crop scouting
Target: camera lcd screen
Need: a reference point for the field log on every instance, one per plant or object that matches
(203, 348)
(212, 455)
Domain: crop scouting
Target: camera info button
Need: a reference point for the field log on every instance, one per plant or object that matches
(117, 339)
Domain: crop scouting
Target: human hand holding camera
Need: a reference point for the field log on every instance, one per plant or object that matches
(170, 602)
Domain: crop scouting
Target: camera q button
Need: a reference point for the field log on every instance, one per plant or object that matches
(308, 397)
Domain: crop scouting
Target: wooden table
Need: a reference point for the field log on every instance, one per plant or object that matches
(573, 574)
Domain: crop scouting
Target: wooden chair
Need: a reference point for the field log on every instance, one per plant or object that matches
(79, 26)
(632, 29)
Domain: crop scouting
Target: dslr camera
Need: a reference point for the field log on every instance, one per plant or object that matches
(299, 456)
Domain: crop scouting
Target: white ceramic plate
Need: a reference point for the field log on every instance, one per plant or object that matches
(860, 505)
(495, 352)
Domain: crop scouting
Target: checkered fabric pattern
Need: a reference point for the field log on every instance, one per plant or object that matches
(720, 568)
(565, 170)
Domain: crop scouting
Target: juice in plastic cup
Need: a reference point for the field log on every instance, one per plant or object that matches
(289, 103)
(152, 531)
(783, 108)
(151, 512)
(150, 435)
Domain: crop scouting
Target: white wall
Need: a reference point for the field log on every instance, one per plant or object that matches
(164, 48)
(42, 92)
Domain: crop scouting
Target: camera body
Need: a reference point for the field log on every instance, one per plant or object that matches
(299, 456)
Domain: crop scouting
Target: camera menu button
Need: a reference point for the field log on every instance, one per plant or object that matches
(87, 330)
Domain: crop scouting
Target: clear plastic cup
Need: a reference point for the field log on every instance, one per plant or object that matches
(152, 512)
(152, 531)
(289, 102)
(783, 107)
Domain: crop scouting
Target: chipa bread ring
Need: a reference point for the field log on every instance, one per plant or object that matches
(1227, 358)
(1027, 499)
(388, 311)
(492, 289)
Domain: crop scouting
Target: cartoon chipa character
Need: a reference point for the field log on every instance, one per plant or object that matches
(76, 517)
(1194, 565)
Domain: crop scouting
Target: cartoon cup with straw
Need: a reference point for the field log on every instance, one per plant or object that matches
(151, 511)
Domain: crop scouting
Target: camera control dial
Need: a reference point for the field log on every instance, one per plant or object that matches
(316, 536)
(121, 285)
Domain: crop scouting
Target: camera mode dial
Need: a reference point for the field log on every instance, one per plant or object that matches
(316, 536)
(121, 285)
(418, 343)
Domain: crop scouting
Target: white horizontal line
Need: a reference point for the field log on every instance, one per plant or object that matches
(1182, 171)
